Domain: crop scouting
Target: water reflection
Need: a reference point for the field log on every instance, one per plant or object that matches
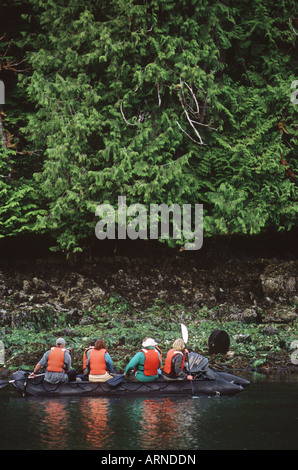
(53, 424)
(261, 417)
(102, 423)
(166, 420)
(95, 429)
(157, 420)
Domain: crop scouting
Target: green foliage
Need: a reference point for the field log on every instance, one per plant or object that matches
(162, 102)
(123, 328)
(20, 199)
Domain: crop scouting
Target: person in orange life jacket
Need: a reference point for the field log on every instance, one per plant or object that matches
(99, 363)
(145, 363)
(174, 364)
(159, 350)
(57, 362)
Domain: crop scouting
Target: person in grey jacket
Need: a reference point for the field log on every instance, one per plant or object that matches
(57, 362)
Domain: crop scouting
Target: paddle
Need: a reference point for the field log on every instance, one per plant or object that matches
(184, 333)
(4, 383)
(116, 380)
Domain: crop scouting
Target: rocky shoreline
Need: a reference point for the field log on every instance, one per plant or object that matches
(64, 298)
(270, 285)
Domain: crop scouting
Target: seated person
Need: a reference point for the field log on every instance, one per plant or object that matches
(57, 362)
(174, 364)
(145, 363)
(99, 363)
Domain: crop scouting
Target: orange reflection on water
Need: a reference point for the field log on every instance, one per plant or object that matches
(159, 421)
(95, 423)
(53, 425)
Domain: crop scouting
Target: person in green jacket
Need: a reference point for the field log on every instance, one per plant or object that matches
(145, 364)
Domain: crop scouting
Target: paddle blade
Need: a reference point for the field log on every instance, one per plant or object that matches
(116, 380)
(184, 333)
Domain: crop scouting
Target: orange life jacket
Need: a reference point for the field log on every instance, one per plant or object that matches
(56, 359)
(168, 364)
(85, 357)
(97, 362)
(152, 362)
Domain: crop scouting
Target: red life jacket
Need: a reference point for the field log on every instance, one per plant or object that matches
(152, 362)
(97, 362)
(56, 360)
(85, 357)
(168, 364)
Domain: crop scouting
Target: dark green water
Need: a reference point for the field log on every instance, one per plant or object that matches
(264, 416)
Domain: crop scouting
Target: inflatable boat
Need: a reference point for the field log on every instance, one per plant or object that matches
(224, 384)
(205, 382)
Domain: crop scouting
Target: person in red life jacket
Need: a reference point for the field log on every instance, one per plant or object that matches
(57, 362)
(145, 364)
(174, 364)
(99, 363)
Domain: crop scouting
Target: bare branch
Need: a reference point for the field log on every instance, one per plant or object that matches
(194, 98)
(158, 94)
(195, 141)
(192, 111)
(205, 125)
(190, 122)
(122, 113)
(8, 47)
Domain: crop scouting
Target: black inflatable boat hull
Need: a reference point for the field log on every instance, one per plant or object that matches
(224, 384)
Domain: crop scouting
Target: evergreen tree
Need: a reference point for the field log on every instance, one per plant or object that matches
(163, 102)
(20, 197)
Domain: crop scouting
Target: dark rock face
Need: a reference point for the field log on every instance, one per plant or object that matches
(280, 280)
(237, 288)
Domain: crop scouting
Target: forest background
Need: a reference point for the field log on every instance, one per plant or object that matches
(160, 101)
